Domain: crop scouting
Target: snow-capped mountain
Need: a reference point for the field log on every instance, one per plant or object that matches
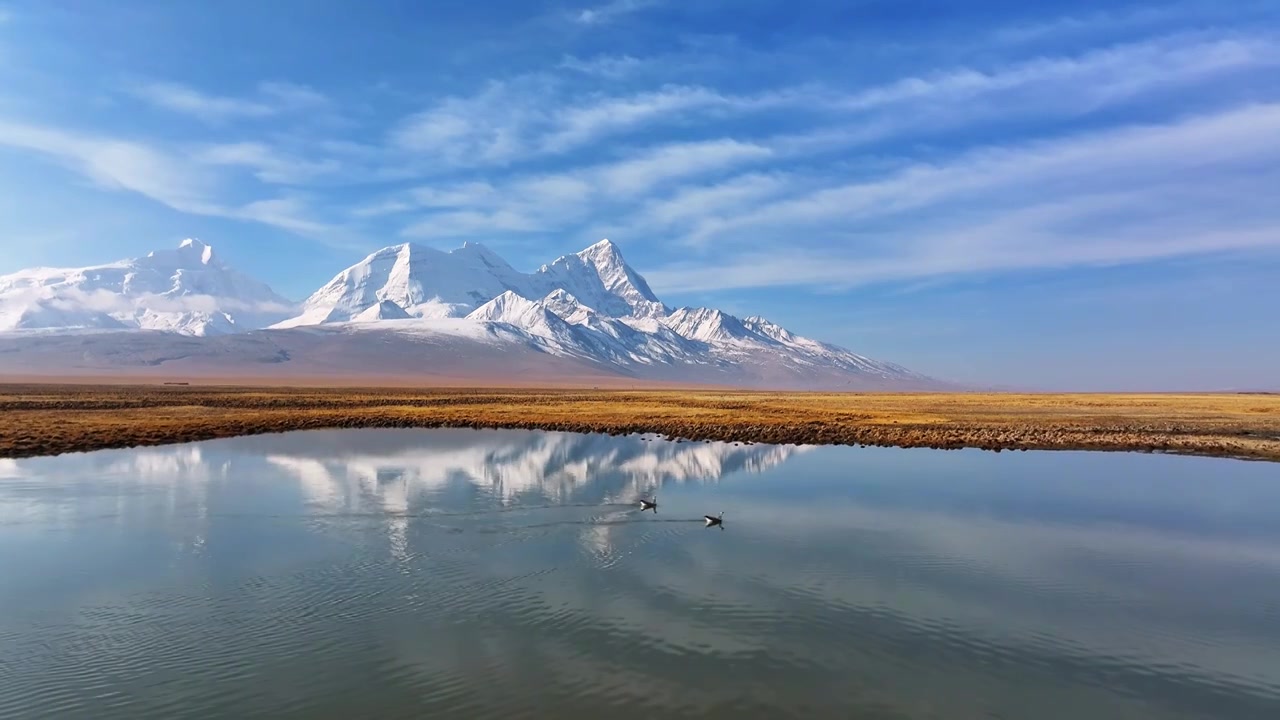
(429, 283)
(413, 311)
(600, 278)
(707, 325)
(186, 290)
(529, 316)
(423, 282)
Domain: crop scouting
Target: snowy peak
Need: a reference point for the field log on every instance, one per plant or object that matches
(484, 256)
(528, 315)
(707, 325)
(601, 278)
(190, 254)
(562, 296)
(760, 341)
(422, 281)
(771, 330)
(603, 254)
(565, 305)
(507, 307)
(430, 283)
(185, 290)
(533, 318)
(197, 249)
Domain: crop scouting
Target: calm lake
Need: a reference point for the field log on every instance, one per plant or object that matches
(505, 574)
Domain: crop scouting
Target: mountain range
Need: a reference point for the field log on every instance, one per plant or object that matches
(408, 312)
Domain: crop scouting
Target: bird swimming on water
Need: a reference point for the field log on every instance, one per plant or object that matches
(649, 504)
(717, 520)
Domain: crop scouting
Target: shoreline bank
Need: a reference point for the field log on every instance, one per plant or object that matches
(44, 420)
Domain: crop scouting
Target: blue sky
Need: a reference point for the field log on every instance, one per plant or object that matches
(1060, 195)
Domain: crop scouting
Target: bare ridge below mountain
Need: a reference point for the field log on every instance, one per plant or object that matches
(409, 313)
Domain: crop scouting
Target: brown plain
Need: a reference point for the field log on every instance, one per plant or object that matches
(54, 419)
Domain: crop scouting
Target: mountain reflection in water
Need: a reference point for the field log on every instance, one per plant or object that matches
(477, 574)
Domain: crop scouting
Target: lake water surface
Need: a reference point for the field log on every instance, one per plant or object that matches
(505, 574)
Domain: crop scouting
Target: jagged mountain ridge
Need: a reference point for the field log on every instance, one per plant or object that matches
(430, 283)
(590, 305)
(433, 309)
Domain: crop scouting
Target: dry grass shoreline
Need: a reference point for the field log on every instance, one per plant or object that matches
(54, 419)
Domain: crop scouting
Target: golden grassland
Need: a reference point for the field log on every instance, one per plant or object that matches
(54, 419)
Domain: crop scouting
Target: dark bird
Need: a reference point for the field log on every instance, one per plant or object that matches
(718, 520)
(649, 504)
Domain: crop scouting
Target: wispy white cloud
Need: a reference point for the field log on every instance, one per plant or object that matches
(529, 117)
(117, 165)
(580, 124)
(605, 66)
(465, 223)
(1122, 19)
(290, 96)
(532, 204)
(542, 202)
(1083, 81)
(183, 99)
(667, 162)
(534, 116)
(565, 194)
(288, 213)
(1128, 157)
(1108, 20)
(381, 208)
(522, 205)
(465, 194)
(692, 202)
(807, 268)
(1140, 193)
(650, 190)
(268, 163)
(490, 127)
(168, 178)
(611, 11)
(272, 98)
